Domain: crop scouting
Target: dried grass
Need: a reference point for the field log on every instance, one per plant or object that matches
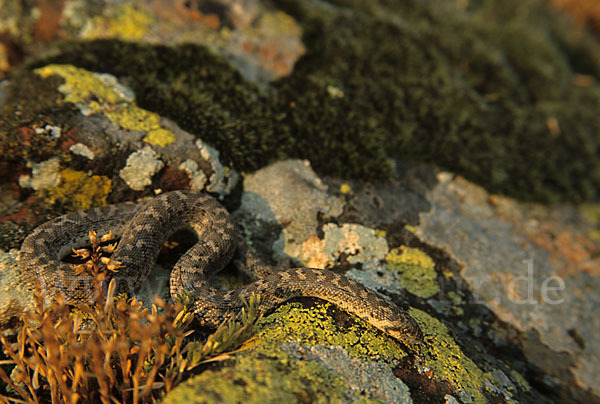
(112, 351)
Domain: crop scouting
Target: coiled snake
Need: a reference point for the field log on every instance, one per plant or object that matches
(143, 228)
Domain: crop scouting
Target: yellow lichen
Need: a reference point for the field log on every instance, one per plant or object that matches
(591, 211)
(417, 273)
(444, 357)
(82, 86)
(135, 118)
(380, 233)
(345, 188)
(594, 235)
(77, 190)
(124, 21)
(88, 91)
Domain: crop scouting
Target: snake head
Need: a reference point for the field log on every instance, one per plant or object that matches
(408, 332)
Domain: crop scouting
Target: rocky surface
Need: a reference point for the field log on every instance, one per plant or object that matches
(506, 292)
(529, 266)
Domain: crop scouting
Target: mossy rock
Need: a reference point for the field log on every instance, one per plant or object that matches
(489, 91)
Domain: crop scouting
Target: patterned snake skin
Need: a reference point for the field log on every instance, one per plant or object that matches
(143, 228)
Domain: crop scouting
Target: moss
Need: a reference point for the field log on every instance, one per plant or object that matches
(444, 357)
(315, 326)
(488, 91)
(90, 92)
(417, 273)
(192, 86)
(77, 190)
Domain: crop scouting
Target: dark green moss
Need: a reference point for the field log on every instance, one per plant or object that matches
(471, 90)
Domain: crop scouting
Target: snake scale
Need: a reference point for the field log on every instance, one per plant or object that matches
(143, 228)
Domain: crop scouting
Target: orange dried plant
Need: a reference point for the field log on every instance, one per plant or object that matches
(111, 351)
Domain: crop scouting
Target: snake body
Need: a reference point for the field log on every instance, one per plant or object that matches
(143, 228)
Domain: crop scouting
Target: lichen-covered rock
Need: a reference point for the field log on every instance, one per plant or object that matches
(528, 265)
(260, 40)
(287, 196)
(301, 352)
(500, 92)
(110, 141)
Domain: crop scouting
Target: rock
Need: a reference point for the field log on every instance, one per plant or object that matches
(371, 378)
(141, 167)
(276, 369)
(289, 196)
(526, 264)
(260, 40)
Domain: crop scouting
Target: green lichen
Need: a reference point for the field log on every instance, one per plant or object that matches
(417, 273)
(478, 99)
(457, 301)
(254, 379)
(265, 373)
(91, 93)
(521, 382)
(444, 357)
(314, 325)
(76, 190)
(591, 211)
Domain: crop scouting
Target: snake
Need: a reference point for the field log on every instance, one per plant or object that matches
(142, 229)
